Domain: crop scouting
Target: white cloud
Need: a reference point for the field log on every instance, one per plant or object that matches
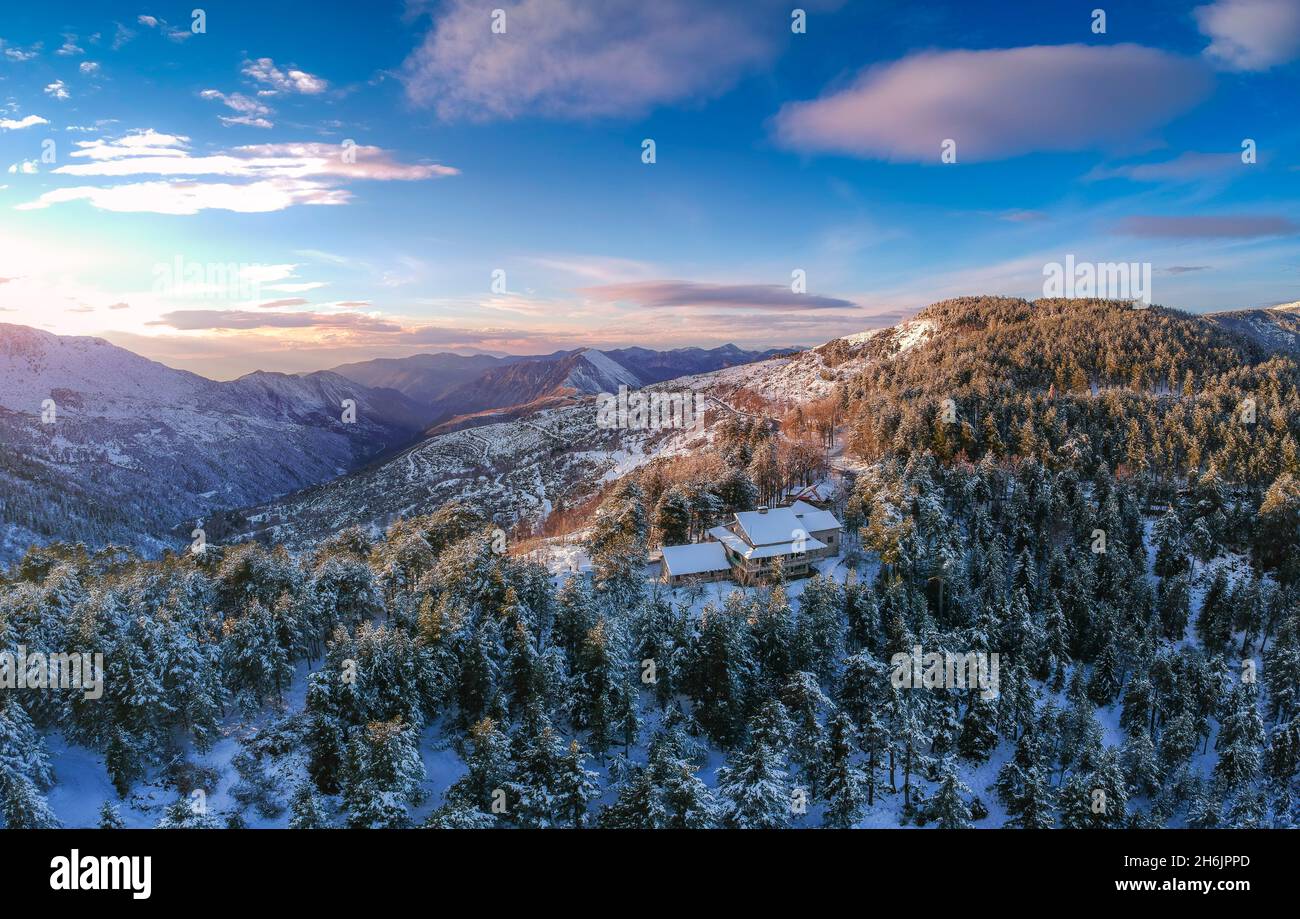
(69, 46)
(252, 121)
(24, 167)
(137, 143)
(296, 288)
(18, 54)
(153, 22)
(191, 197)
(57, 90)
(148, 152)
(570, 58)
(27, 121)
(998, 103)
(251, 112)
(274, 176)
(121, 35)
(264, 274)
(98, 125)
(89, 68)
(1250, 34)
(237, 101)
(263, 70)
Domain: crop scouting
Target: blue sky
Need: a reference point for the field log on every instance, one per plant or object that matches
(132, 145)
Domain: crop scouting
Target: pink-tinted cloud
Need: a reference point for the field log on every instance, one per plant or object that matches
(1250, 34)
(194, 320)
(577, 59)
(1021, 215)
(659, 294)
(1218, 227)
(998, 103)
(1185, 167)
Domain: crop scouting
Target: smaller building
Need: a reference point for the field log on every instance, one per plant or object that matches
(705, 561)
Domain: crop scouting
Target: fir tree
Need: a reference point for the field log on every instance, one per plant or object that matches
(755, 790)
(1241, 736)
(845, 785)
(947, 808)
(576, 786)
(804, 701)
(307, 810)
(382, 774)
(22, 806)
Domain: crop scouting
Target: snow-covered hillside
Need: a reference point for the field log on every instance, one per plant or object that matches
(513, 471)
(98, 444)
(814, 374)
(519, 469)
(1276, 328)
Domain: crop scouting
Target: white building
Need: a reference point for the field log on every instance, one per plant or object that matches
(753, 541)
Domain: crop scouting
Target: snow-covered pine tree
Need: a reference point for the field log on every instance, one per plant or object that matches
(110, 817)
(307, 809)
(382, 774)
(947, 807)
(844, 785)
(754, 788)
(576, 786)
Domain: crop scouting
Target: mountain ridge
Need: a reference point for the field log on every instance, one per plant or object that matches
(139, 449)
(100, 444)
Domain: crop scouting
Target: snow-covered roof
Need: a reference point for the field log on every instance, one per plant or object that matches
(745, 550)
(699, 558)
(765, 528)
(811, 492)
(730, 540)
(814, 519)
(785, 548)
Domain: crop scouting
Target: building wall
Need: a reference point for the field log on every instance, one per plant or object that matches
(832, 540)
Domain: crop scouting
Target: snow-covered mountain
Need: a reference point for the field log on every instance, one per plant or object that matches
(99, 444)
(657, 366)
(595, 371)
(138, 449)
(1276, 328)
(468, 390)
(426, 378)
(518, 467)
